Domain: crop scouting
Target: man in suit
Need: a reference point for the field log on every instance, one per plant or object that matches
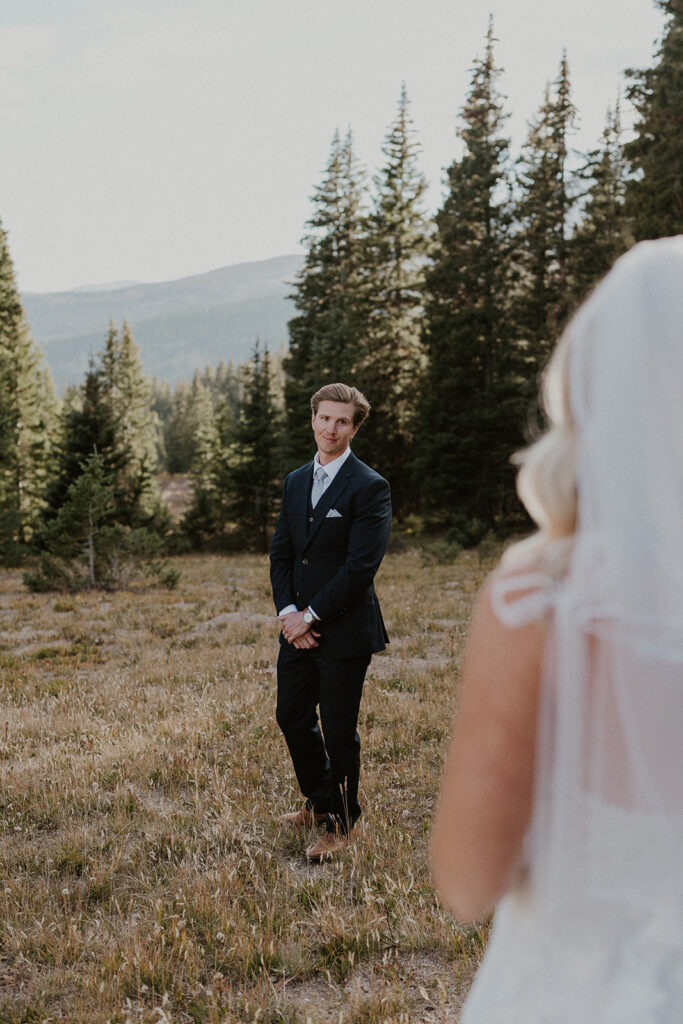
(330, 539)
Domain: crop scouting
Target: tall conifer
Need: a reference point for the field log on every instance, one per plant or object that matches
(602, 233)
(253, 468)
(330, 299)
(28, 417)
(236, 465)
(205, 521)
(112, 416)
(469, 410)
(546, 200)
(90, 426)
(390, 358)
(226, 385)
(655, 189)
(129, 394)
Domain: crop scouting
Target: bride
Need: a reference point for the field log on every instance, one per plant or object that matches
(562, 794)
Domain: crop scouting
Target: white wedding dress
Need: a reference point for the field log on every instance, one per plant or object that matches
(592, 932)
(610, 965)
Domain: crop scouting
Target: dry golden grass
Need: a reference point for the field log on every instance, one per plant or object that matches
(144, 875)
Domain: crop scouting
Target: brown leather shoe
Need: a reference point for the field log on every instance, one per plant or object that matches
(302, 819)
(327, 846)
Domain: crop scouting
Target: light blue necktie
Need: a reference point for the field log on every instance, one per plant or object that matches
(319, 478)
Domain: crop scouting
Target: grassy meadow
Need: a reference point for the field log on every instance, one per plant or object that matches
(145, 877)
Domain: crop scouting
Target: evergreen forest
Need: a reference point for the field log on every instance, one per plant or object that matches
(443, 320)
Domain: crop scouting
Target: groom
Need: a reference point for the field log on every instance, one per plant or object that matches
(330, 538)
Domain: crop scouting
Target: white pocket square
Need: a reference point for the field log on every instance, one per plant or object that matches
(333, 514)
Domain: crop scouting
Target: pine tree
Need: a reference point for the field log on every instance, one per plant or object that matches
(84, 545)
(181, 429)
(226, 386)
(38, 410)
(28, 415)
(602, 233)
(178, 439)
(90, 426)
(253, 469)
(223, 384)
(655, 189)
(10, 519)
(391, 358)
(179, 414)
(92, 532)
(470, 395)
(74, 531)
(204, 521)
(129, 394)
(236, 467)
(329, 296)
(545, 209)
(206, 442)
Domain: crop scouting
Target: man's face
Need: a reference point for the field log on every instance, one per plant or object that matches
(333, 428)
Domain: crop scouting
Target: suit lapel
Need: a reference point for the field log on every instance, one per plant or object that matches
(337, 487)
(298, 514)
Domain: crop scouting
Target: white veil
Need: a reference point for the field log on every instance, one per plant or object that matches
(608, 814)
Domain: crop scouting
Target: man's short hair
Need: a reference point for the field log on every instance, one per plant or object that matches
(343, 393)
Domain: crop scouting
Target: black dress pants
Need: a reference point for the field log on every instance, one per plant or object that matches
(325, 750)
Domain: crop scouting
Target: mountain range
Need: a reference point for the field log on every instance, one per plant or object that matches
(180, 326)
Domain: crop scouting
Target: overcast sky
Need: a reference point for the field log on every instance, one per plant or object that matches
(149, 140)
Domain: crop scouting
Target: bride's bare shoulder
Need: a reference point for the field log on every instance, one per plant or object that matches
(508, 628)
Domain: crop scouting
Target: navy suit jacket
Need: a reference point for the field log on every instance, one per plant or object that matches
(329, 561)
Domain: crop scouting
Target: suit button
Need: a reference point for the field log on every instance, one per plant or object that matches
(310, 519)
(304, 561)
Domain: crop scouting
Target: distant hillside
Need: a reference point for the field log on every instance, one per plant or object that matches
(179, 325)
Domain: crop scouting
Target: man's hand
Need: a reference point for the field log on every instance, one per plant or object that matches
(293, 626)
(306, 641)
(298, 632)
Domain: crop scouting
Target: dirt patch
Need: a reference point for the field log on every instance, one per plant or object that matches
(427, 987)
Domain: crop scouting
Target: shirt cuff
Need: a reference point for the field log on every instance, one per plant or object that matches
(293, 608)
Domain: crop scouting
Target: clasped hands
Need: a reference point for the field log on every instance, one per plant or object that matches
(297, 632)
